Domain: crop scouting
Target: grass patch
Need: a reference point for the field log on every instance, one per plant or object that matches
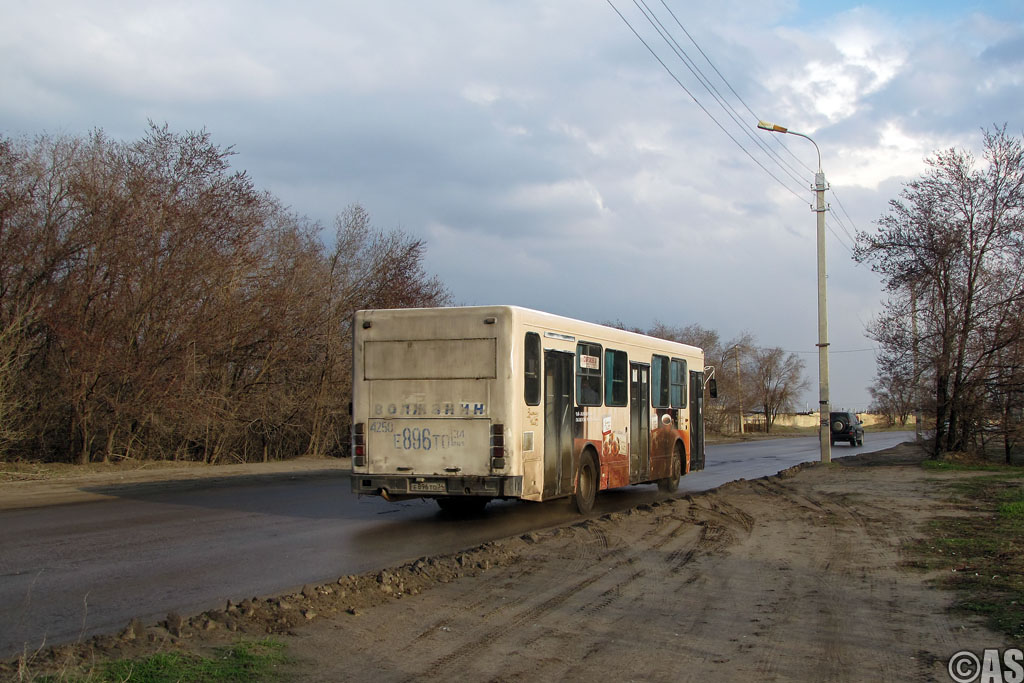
(243, 661)
(956, 466)
(981, 556)
(1013, 510)
(56, 471)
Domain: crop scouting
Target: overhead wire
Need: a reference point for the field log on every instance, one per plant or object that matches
(775, 138)
(673, 44)
(726, 106)
(816, 351)
(847, 213)
(665, 35)
(698, 102)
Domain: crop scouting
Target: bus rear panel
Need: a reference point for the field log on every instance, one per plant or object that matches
(424, 410)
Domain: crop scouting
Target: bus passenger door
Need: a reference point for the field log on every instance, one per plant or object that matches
(558, 417)
(639, 421)
(696, 420)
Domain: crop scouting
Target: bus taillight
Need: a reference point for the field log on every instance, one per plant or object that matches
(498, 447)
(358, 444)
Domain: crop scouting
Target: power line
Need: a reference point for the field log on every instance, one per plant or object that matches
(698, 103)
(727, 107)
(815, 352)
(776, 139)
(838, 201)
(839, 238)
(666, 35)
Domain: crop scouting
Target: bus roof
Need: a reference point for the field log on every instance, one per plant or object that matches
(536, 318)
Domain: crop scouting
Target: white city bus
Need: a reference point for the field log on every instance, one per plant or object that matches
(468, 404)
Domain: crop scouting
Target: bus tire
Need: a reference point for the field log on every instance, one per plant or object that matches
(671, 483)
(463, 505)
(586, 483)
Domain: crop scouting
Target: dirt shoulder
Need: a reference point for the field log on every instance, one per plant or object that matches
(26, 486)
(795, 577)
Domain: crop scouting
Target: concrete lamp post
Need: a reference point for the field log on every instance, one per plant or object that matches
(735, 350)
(824, 433)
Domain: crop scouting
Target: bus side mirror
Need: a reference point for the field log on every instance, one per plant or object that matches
(713, 388)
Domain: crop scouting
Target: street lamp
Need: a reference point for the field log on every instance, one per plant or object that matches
(824, 434)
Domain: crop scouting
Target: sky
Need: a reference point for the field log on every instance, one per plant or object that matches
(542, 152)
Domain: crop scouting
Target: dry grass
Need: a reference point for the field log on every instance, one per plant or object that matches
(35, 471)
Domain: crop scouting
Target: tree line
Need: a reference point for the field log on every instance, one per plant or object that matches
(155, 304)
(950, 251)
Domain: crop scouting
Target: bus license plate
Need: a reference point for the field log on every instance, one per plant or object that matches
(428, 486)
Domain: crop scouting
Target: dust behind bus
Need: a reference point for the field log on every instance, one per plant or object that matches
(464, 405)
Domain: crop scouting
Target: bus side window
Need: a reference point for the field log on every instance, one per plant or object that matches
(588, 374)
(678, 382)
(616, 378)
(531, 369)
(659, 381)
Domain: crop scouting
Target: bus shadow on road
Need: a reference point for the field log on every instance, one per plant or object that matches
(419, 519)
(326, 495)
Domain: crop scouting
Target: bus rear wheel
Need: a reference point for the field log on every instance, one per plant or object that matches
(586, 483)
(670, 483)
(462, 505)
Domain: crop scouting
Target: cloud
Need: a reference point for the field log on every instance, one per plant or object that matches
(544, 155)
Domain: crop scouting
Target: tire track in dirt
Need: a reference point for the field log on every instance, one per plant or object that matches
(599, 587)
(886, 526)
(766, 633)
(852, 542)
(831, 546)
(584, 536)
(482, 598)
(694, 532)
(488, 637)
(580, 553)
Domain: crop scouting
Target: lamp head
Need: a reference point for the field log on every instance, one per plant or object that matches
(772, 127)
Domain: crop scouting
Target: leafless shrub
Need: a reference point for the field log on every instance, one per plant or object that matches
(155, 304)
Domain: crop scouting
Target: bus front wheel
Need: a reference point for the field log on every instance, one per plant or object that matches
(586, 483)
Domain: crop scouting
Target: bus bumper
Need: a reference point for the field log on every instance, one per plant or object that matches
(397, 487)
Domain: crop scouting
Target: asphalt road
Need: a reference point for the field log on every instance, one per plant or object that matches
(71, 571)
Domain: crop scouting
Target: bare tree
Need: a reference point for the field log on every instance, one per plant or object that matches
(778, 379)
(734, 364)
(693, 334)
(894, 392)
(954, 239)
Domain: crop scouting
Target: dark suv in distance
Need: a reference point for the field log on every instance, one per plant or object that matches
(846, 427)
